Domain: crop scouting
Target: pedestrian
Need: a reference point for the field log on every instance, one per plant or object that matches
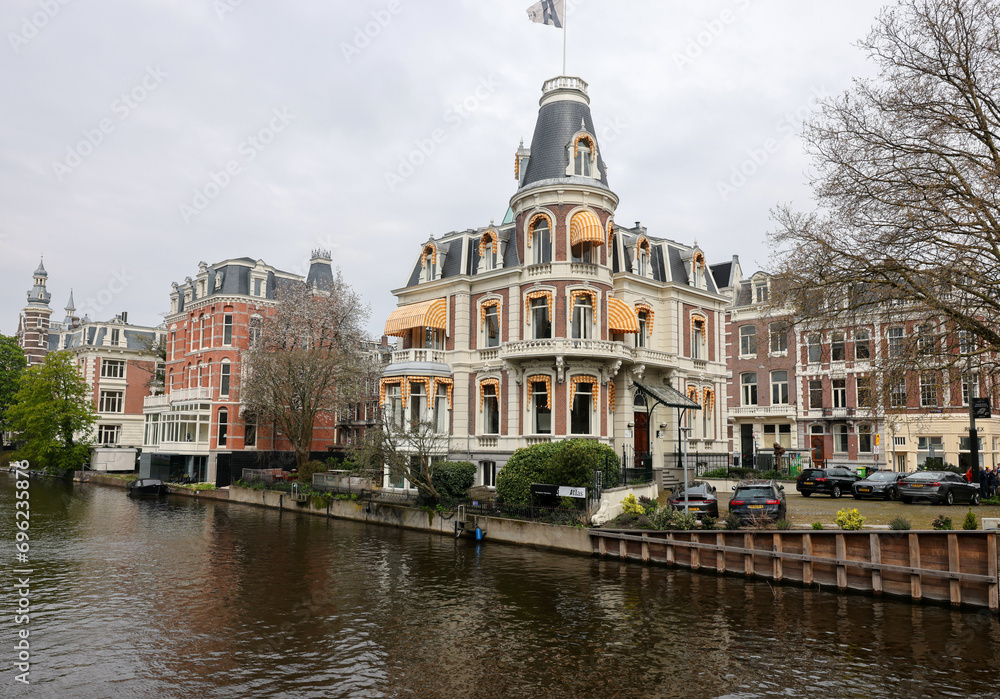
(984, 481)
(968, 475)
(994, 481)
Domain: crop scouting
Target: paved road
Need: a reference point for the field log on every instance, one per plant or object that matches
(823, 508)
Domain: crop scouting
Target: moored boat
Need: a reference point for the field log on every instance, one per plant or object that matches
(147, 486)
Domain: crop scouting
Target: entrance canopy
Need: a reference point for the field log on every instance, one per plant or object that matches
(667, 396)
(426, 314)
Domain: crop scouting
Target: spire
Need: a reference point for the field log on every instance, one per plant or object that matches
(70, 306)
(38, 295)
(40, 272)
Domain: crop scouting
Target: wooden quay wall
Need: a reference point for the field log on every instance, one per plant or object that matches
(953, 567)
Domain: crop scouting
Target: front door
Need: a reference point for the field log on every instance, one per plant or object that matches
(641, 443)
(818, 452)
(746, 445)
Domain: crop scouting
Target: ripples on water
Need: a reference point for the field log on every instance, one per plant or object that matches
(181, 598)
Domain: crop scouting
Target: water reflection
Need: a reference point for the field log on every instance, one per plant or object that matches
(181, 597)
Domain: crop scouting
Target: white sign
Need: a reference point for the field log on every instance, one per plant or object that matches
(566, 491)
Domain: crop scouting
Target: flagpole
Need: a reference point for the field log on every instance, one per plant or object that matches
(565, 27)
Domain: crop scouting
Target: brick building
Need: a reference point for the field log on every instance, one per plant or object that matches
(118, 361)
(536, 329)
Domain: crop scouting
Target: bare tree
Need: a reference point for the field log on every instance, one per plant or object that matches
(307, 361)
(907, 179)
(410, 451)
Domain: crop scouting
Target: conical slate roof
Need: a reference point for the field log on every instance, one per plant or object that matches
(564, 111)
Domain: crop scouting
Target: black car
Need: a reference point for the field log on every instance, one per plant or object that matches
(829, 481)
(941, 487)
(701, 499)
(880, 484)
(758, 500)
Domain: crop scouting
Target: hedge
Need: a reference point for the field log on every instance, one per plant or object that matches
(452, 479)
(570, 462)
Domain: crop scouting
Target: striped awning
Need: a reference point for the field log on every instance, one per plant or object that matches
(621, 317)
(427, 314)
(585, 227)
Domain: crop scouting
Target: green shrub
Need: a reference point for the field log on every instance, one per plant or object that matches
(631, 506)
(770, 475)
(850, 520)
(732, 472)
(783, 524)
(970, 522)
(650, 506)
(732, 521)
(684, 522)
(452, 479)
(708, 522)
(569, 462)
(899, 524)
(817, 525)
(943, 523)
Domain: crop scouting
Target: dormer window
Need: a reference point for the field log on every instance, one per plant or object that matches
(428, 263)
(642, 254)
(760, 292)
(583, 156)
(489, 251)
(698, 270)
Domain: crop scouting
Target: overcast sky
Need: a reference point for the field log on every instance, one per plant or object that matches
(115, 117)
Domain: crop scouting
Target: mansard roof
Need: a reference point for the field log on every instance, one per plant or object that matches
(461, 252)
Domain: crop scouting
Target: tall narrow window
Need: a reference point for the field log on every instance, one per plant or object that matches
(815, 349)
(748, 340)
(864, 387)
(227, 329)
(224, 381)
(115, 337)
(433, 338)
(970, 388)
(491, 326)
(394, 406)
(441, 410)
(582, 161)
(491, 409)
(929, 390)
(815, 394)
(203, 328)
(840, 438)
(541, 242)
(779, 388)
(643, 262)
(541, 326)
(761, 292)
(640, 338)
(837, 347)
(488, 261)
(895, 342)
(583, 317)
(418, 404)
(541, 409)
(490, 474)
(698, 339)
(779, 337)
(897, 393)
(223, 427)
(862, 345)
(926, 342)
(840, 393)
(748, 382)
(865, 438)
(581, 409)
(255, 331)
(250, 429)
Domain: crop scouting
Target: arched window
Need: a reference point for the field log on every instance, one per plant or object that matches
(698, 337)
(540, 403)
(583, 314)
(223, 427)
(540, 239)
(489, 405)
(428, 261)
(489, 250)
(642, 254)
(584, 156)
(490, 311)
(224, 379)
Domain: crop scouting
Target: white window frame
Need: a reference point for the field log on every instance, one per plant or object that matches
(779, 387)
(118, 364)
(748, 340)
(748, 389)
(111, 402)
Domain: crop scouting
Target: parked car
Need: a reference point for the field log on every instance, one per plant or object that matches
(701, 499)
(941, 487)
(880, 484)
(758, 500)
(830, 481)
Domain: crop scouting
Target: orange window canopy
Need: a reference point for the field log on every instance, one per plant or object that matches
(426, 314)
(621, 317)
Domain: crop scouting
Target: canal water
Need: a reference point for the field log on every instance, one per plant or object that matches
(188, 598)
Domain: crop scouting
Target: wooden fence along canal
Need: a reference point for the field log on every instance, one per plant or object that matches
(959, 567)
